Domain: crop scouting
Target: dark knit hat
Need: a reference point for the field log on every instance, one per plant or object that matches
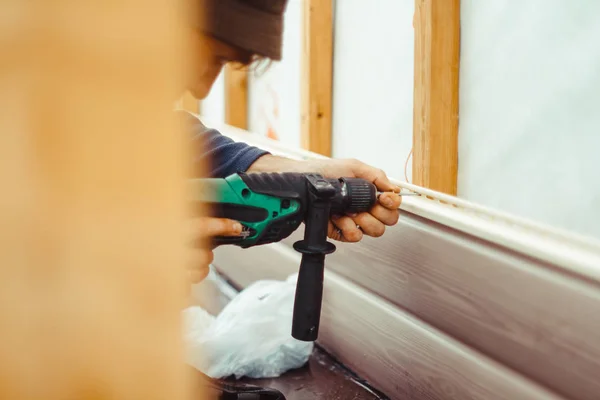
(252, 25)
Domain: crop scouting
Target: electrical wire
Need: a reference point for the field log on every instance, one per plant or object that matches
(406, 166)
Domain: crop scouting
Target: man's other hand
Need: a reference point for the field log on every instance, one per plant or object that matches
(202, 230)
(350, 228)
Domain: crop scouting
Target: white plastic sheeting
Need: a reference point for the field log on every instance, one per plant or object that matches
(274, 94)
(213, 105)
(250, 336)
(529, 131)
(373, 82)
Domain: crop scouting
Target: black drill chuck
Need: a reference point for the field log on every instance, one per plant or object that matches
(353, 195)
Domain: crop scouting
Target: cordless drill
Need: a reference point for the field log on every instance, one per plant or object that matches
(270, 206)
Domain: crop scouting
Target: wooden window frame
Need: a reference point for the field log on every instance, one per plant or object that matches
(436, 72)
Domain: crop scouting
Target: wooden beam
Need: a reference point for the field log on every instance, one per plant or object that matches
(317, 76)
(435, 122)
(236, 96)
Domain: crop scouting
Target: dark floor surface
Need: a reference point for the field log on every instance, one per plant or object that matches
(322, 378)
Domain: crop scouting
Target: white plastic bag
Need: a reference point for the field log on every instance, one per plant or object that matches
(250, 337)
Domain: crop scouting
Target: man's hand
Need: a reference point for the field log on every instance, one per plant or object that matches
(347, 228)
(202, 230)
(350, 228)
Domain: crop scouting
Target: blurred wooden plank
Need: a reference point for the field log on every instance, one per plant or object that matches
(91, 247)
(236, 96)
(317, 76)
(396, 352)
(435, 125)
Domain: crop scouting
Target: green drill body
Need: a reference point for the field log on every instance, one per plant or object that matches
(270, 206)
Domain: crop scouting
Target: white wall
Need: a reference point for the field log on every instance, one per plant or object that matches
(529, 133)
(373, 82)
(274, 95)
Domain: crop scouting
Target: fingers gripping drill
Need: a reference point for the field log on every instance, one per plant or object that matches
(270, 206)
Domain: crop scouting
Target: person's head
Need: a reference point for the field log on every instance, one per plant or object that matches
(239, 31)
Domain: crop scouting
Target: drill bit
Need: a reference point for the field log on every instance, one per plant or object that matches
(401, 194)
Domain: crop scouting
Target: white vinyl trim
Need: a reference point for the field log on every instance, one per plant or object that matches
(574, 253)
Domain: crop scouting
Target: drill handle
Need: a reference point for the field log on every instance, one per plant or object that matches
(314, 247)
(309, 295)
